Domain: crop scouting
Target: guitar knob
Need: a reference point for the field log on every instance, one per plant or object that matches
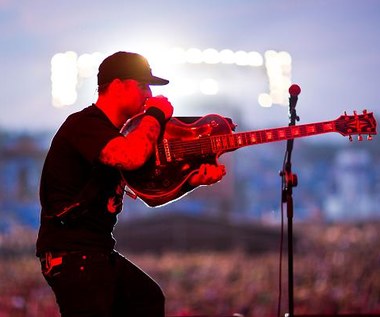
(213, 123)
(369, 137)
(360, 137)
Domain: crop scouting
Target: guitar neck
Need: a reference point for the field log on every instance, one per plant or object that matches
(230, 142)
(363, 124)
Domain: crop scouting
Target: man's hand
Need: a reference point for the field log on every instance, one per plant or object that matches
(162, 103)
(208, 174)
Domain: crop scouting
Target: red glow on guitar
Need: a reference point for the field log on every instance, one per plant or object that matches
(185, 146)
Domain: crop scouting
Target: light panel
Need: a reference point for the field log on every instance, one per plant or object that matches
(68, 70)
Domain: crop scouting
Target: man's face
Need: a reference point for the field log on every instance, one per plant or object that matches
(134, 96)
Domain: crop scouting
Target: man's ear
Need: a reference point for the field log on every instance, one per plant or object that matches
(116, 85)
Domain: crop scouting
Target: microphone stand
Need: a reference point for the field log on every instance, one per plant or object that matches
(290, 181)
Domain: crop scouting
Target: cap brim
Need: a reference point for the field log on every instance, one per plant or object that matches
(157, 81)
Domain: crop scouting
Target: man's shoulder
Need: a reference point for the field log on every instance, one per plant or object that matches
(83, 115)
(91, 110)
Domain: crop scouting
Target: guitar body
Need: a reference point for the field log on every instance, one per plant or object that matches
(179, 154)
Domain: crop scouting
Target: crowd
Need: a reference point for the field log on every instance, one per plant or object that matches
(336, 271)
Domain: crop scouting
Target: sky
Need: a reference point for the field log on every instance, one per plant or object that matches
(334, 44)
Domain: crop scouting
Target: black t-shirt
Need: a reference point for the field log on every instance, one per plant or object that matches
(73, 174)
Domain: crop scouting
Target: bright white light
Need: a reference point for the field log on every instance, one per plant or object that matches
(285, 58)
(227, 56)
(177, 55)
(265, 100)
(184, 86)
(64, 77)
(194, 56)
(87, 65)
(255, 59)
(67, 69)
(211, 56)
(64, 98)
(154, 52)
(278, 66)
(209, 86)
(241, 58)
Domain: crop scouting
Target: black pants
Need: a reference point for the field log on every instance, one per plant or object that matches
(96, 284)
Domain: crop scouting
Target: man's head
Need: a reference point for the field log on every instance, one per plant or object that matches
(126, 65)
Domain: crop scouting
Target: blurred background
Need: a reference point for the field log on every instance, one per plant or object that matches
(217, 250)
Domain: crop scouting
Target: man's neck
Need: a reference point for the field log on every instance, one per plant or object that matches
(112, 112)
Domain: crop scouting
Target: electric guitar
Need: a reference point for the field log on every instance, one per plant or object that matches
(183, 147)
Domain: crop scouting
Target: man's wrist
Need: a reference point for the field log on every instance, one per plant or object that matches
(157, 114)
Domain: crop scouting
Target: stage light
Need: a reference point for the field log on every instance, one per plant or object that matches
(265, 100)
(227, 56)
(177, 55)
(255, 59)
(194, 56)
(68, 71)
(241, 58)
(87, 64)
(211, 56)
(64, 77)
(278, 66)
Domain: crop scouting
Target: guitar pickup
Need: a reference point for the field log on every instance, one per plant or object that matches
(168, 155)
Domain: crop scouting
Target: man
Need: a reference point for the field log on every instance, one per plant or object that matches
(82, 188)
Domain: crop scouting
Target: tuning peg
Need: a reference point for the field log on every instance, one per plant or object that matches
(360, 137)
(350, 137)
(369, 137)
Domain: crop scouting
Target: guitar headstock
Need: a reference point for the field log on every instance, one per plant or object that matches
(357, 124)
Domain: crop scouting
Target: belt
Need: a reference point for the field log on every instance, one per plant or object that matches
(57, 256)
(49, 260)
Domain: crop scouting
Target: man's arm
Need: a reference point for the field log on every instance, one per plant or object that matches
(132, 151)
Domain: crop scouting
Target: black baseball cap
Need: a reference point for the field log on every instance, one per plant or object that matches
(126, 65)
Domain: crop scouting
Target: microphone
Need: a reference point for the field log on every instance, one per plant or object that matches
(294, 91)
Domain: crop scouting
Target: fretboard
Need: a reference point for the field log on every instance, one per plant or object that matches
(228, 142)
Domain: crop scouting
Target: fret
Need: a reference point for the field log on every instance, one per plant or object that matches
(216, 143)
(281, 134)
(328, 126)
(231, 141)
(263, 136)
(224, 142)
(253, 137)
(269, 135)
(295, 131)
(310, 129)
(240, 141)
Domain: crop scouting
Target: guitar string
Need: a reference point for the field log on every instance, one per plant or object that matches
(194, 146)
(249, 138)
